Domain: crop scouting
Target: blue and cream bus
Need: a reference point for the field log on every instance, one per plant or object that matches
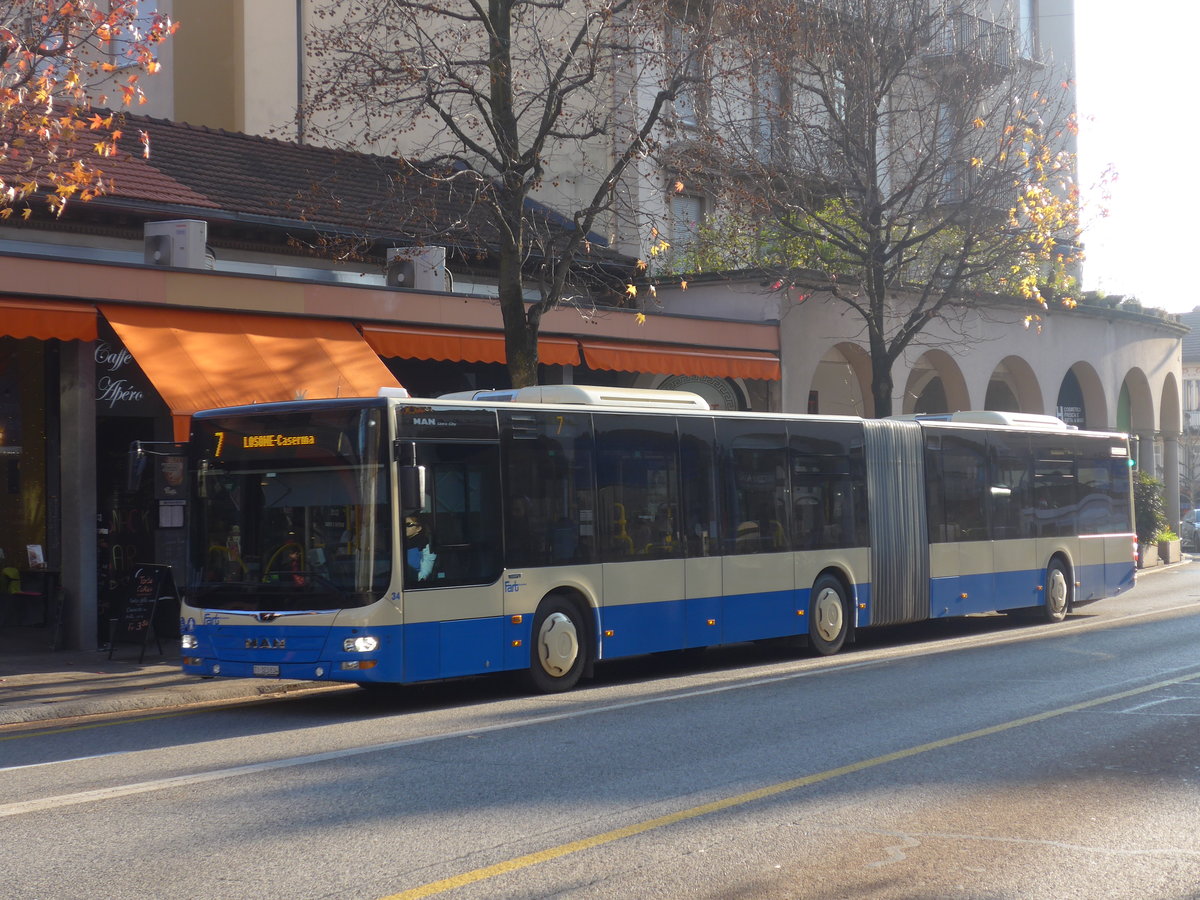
(563, 525)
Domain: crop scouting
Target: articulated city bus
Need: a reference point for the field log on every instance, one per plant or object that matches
(393, 539)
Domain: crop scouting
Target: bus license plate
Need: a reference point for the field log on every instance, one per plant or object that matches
(267, 670)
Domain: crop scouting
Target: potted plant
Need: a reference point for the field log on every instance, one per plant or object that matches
(1149, 517)
(1169, 546)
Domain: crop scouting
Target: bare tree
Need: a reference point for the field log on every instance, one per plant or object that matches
(513, 101)
(901, 156)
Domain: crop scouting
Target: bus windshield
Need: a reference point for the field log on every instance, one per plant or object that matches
(292, 511)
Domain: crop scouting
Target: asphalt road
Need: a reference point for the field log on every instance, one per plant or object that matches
(975, 758)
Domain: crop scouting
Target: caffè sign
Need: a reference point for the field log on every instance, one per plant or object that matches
(122, 389)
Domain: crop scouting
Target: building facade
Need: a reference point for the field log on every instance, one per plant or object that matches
(193, 284)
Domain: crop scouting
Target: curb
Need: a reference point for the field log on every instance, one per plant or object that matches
(1187, 560)
(141, 699)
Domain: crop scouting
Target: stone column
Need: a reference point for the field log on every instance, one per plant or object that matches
(1171, 477)
(77, 389)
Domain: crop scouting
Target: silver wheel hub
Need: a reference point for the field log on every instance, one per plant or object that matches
(1056, 596)
(557, 644)
(830, 616)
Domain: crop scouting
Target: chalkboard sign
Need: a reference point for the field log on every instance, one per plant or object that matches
(149, 585)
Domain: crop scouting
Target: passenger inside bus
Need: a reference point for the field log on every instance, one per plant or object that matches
(418, 555)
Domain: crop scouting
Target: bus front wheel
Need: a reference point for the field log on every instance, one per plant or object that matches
(828, 621)
(1058, 591)
(559, 646)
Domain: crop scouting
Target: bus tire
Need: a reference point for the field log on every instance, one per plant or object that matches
(559, 646)
(828, 616)
(1059, 589)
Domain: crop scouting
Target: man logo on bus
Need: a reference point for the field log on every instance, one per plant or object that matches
(266, 643)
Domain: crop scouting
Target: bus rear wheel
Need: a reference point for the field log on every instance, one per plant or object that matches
(828, 620)
(559, 646)
(1058, 591)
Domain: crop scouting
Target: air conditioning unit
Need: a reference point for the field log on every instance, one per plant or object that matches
(179, 243)
(418, 269)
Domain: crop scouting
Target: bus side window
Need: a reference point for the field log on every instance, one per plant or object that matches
(1055, 487)
(464, 515)
(637, 481)
(827, 483)
(550, 517)
(754, 493)
(964, 477)
(935, 494)
(1010, 486)
(697, 463)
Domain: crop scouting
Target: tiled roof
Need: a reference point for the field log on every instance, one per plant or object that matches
(1191, 341)
(224, 176)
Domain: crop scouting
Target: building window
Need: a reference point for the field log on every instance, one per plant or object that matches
(687, 98)
(687, 216)
(772, 99)
(1191, 394)
(1027, 29)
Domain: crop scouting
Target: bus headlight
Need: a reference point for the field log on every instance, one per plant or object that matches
(189, 642)
(364, 644)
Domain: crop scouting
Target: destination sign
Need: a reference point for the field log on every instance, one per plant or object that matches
(318, 436)
(253, 441)
(226, 444)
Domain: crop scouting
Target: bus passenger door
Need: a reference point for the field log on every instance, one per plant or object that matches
(961, 560)
(641, 541)
(451, 555)
(758, 570)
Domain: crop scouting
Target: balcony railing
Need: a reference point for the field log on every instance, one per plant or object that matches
(977, 39)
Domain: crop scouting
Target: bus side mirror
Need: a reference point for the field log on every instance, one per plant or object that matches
(412, 487)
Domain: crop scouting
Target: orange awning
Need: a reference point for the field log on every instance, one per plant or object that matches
(666, 359)
(46, 319)
(200, 360)
(457, 345)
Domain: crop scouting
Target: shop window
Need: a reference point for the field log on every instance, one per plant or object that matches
(23, 475)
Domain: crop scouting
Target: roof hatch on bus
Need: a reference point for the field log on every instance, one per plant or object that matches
(996, 417)
(584, 395)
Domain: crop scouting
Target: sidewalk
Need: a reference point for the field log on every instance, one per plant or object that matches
(41, 685)
(38, 684)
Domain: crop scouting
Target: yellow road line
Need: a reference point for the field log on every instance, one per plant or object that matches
(532, 859)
